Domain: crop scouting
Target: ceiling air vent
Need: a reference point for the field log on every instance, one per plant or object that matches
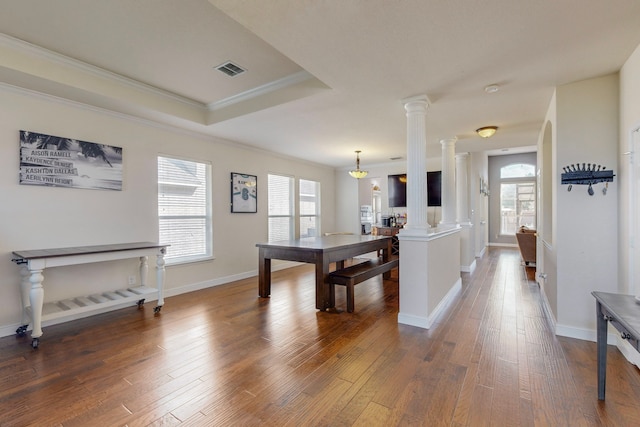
(230, 69)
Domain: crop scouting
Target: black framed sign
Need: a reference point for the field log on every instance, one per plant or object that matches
(56, 161)
(244, 193)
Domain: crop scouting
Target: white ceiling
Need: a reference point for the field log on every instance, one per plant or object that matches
(324, 78)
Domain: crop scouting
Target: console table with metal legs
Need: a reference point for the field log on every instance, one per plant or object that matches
(623, 312)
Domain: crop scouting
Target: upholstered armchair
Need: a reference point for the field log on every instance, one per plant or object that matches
(527, 243)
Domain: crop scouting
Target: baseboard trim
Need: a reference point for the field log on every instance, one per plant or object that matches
(481, 253)
(411, 320)
(628, 351)
(547, 308)
(503, 245)
(446, 301)
(469, 268)
(583, 334)
(427, 322)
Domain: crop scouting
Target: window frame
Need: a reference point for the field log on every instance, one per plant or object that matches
(317, 201)
(292, 206)
(517, 180)
(207, 235)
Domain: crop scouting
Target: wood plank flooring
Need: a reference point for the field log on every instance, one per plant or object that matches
(225, 357)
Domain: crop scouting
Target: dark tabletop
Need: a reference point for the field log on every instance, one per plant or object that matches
(84, 250)
(625, 308)
(322, 242)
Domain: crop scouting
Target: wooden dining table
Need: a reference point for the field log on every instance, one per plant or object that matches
(321, 251)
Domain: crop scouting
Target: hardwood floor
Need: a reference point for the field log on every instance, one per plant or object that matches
(225, 357)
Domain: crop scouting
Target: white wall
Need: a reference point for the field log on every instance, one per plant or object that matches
(546, 261)
(587, 226)
(347, 203)
(479, 202)
(33, 217)
(629, 120)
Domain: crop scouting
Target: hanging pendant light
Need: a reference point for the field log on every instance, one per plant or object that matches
(357, 173)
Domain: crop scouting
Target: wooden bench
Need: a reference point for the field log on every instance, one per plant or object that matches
(352, 275)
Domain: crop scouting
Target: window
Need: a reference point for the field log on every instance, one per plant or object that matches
(281, 208)
(517, 206)
(518, 170)
(309, 208)
(517, 198)
(184, 209)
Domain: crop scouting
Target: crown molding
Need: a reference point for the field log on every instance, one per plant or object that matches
(286, 89)
(156, 124)
(270, 87)
(58, 58)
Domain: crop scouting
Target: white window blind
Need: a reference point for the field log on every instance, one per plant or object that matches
(309, 208)
(281, 208)
(184, 209)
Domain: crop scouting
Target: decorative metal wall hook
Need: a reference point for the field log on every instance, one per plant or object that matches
(587, 174)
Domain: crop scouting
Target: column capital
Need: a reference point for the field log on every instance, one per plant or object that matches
(418, 103)
(462, 155)
(416, 98)
(449, 141)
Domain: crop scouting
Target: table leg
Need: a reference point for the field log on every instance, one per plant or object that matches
(160, 271)
(325, 293)
(25, 288)
(264, 274)
(330, 290)
(36, 297)
(602, 350)
(386, 253)
(144, 270)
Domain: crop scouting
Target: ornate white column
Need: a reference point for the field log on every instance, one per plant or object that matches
(448, 181)
(429, 262)
(462, 189)
(416, 108)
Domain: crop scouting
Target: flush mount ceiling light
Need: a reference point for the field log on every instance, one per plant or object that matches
(357, 173)
(487, 131)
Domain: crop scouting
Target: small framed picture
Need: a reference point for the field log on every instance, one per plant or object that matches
(244, 193)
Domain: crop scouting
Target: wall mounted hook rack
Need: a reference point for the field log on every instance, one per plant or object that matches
(587, 174)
